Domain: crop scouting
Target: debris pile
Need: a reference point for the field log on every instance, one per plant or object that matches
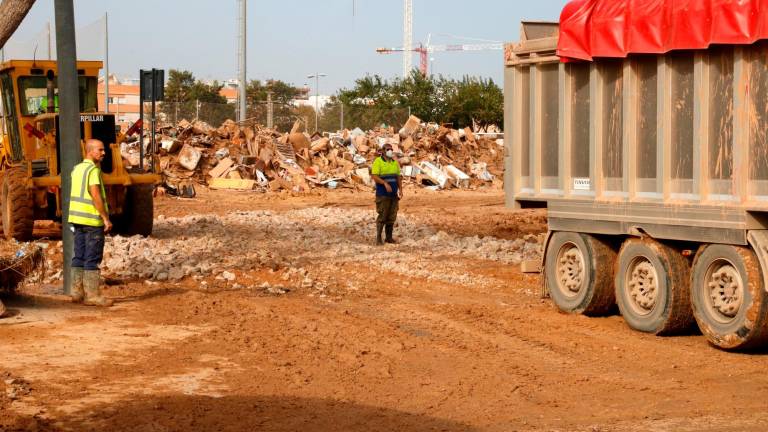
(241, 157)
(226, 247)
(17, 262)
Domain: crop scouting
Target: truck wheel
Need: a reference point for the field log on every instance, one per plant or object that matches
(578, 271)
(653, 286)
(138, 211)
(728, 297)
(17, 206)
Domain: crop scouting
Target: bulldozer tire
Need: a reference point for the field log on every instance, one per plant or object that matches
(17, 211)
(138, 212)
(653, 287)
(729, 298)
(579, 273)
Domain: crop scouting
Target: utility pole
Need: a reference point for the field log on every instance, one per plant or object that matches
(270, 111)
(241, 62)
(48, 34)
(69, 122)
(407, 37)
(317, 77)
(106, 63)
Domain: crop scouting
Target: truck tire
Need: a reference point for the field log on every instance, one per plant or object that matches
(578, 272)
(138, 211)
(18, 213)
(653, 287)
(728, 297)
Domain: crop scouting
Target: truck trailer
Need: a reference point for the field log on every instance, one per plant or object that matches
(642, 127)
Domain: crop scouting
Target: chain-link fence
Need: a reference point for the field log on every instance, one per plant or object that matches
(337, 116)
(281, 116)
(212, 113)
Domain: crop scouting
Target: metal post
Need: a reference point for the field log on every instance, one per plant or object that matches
(141, 119)
(197, 110)
(106, 63)
(152, 141)
(69, 125)
(243, 84)
(270, 112)
(48, 33)
(317, 77)
(342, 115)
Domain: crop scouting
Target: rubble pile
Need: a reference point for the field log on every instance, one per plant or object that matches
(223, 247)
(252, 157)
(17, 261)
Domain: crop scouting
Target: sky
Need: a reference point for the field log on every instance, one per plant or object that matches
(289, 39)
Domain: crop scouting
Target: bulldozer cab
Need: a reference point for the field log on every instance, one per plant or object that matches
(30, 106)
(30, 161)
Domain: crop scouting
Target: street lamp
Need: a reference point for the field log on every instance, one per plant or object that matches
(317, 77)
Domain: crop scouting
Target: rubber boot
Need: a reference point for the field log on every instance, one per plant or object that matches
(93, 297)
(389, 228)
(77, 294)
(379, 229)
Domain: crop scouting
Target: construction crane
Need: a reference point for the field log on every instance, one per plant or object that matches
(408, 38)
(425, 50)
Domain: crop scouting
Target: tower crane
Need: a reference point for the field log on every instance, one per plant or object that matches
(425, 50)
(407, 37)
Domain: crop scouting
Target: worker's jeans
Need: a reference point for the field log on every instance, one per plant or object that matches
(387, 208)
(89, 247)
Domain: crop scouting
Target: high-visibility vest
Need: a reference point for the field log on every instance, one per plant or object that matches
(81, 208)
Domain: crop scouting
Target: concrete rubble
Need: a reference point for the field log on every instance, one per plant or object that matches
(226, 247)
(239, 157)
(18, 261)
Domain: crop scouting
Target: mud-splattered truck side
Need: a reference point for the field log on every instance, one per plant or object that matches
(643, 132)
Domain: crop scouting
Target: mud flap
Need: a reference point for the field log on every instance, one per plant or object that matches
(543, 291)
(758, 239)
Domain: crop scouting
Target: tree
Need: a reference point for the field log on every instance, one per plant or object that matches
(186, 97)
(474, 101)
(374, 101)
(256, 91)
(418, 93)
(283, 94)
(12, 13)
(178, 86)
(371, 103)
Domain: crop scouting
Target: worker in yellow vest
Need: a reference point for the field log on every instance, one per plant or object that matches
(89, 217)
(385, 172)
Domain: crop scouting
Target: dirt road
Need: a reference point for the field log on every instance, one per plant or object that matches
(273, 313)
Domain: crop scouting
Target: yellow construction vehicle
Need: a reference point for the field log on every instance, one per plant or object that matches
(30, 177)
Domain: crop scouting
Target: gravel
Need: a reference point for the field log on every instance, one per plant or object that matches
(222, 246)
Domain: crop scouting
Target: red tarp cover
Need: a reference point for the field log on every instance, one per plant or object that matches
(616, 28)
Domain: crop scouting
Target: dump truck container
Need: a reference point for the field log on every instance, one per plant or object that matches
(647, 144)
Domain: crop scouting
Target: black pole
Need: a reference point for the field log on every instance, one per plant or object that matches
(152, 144)
(69, 121)
(141, 119)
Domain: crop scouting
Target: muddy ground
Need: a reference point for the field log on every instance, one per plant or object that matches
(314, 329)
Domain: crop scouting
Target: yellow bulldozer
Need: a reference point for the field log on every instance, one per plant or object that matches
(30, 174)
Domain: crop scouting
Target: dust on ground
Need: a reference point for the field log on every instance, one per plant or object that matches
(276, 313)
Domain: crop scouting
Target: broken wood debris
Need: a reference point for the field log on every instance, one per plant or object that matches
(251, 157)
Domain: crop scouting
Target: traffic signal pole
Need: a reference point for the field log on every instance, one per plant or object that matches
(69, 120)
